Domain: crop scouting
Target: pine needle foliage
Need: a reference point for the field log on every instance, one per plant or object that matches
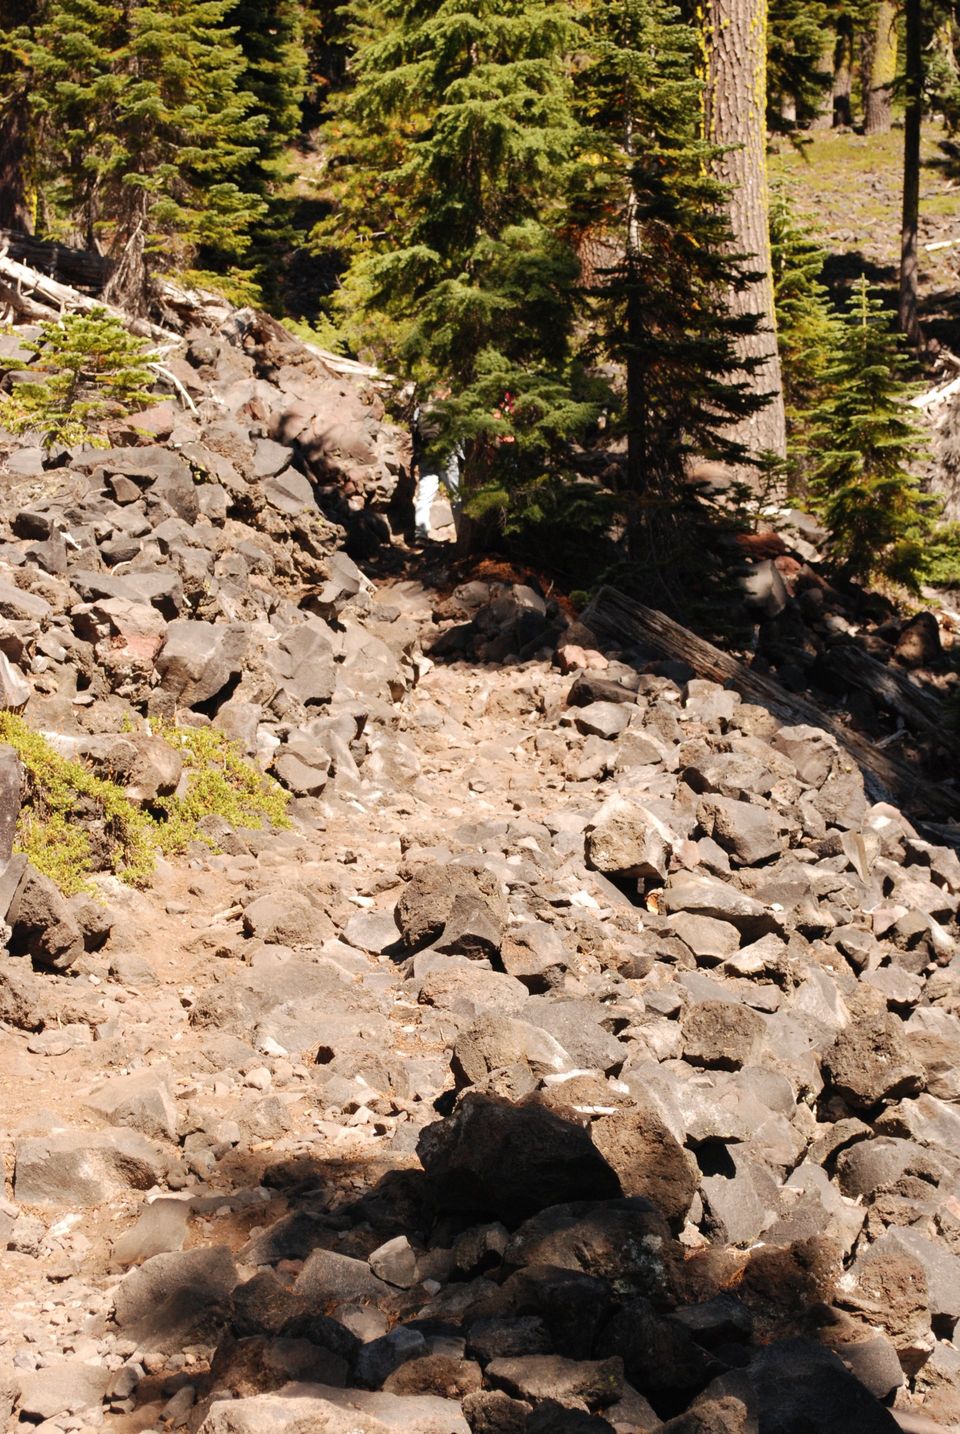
(661, 305)
(862, 486)
(90, 369)
(447, 154)
(806, 332)
(146, 126)
(646, 199)
(796, 74)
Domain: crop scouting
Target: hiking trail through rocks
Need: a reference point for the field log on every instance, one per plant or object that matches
(264, 1091)
(582, 1057)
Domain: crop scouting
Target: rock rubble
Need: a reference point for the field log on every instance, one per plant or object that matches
(583, 1057)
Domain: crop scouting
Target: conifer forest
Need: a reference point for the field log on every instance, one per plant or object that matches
(569, 203)
(480, 716)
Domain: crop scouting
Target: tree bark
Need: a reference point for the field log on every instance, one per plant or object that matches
(909, 317)
(14, 145)
(843, 76)
(736, 121)
(828, 57)
(129, 283)
(880, 70)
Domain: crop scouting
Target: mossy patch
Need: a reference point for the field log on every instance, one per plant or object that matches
(74, 824)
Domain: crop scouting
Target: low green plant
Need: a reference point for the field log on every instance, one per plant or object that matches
(221, 783)
(74, 824)
(238, 286)
(941, 557)
(323, 333)
(88, 369)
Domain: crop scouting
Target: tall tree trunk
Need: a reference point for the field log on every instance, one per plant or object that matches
(736, 120)
(129, 285)
(14, 148)
(828, 56)
(843, 76)
(908, 308)
(880, 70)
(638, 455)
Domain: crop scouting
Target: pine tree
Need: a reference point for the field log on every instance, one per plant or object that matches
(449, 154)
(862, 486)
(806, 330)
(270, 34)
(648, 197)
(148, 127)
(272, 37)
(16, 136)
(796, 74)
(88, 369)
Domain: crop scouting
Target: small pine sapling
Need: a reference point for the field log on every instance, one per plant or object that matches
(806, 332)
(88, 369)
(862, 486)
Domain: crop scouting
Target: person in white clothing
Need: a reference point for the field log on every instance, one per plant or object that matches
(438, 463)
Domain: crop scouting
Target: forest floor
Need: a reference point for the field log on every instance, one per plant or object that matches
(846, 187)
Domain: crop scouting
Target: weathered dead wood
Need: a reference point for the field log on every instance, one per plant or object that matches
(66, 299)
(25, 310)
(613, 614)
(890, 688)
(83, 268)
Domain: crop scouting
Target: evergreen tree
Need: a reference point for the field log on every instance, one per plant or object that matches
(271, 36)
(806, 329)
(796, 73)
(449, 154)
(148, 126)
(88, 369)
(862, 486)
(648, 196)
(16, 136)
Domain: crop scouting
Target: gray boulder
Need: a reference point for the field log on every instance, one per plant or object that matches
(198, 659)
(84, 1167)
(42, 925)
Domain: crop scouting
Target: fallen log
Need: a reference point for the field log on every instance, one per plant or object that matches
(83, 268)
(613, 614)
(890, 688)
(65, 299)
(24, 310)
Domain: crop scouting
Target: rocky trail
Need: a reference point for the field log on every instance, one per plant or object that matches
(583, 1055)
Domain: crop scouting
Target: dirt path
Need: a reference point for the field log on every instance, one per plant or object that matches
(128, 1009)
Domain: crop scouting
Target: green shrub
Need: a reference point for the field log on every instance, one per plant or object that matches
(866, 440)
(90, 370)
(323, 333)
(74, 824)
(222, 783)
(941, 556)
